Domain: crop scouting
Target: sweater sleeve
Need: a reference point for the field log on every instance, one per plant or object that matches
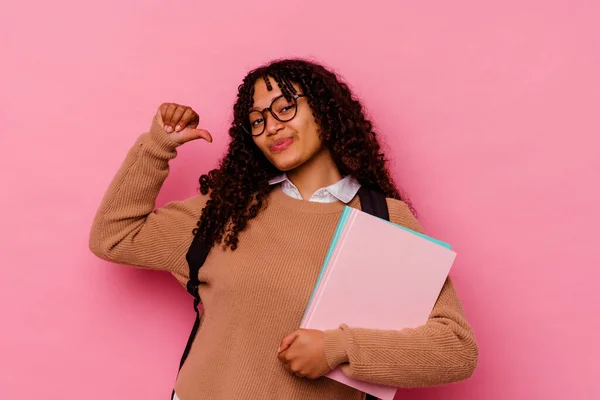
(127, 229)
(441, 351)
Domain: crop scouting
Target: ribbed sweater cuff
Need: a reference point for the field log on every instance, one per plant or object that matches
(335, 347)
(161, 138)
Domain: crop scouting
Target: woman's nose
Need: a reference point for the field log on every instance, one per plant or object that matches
(272, 124)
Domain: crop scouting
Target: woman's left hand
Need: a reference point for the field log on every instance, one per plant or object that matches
(303, 353)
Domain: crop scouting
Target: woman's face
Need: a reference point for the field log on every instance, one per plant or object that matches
(287, 145)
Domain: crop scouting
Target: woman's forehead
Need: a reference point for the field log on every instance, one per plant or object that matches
(264, 92)
(262, 95)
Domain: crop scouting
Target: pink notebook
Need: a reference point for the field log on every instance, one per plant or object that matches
(377, 275)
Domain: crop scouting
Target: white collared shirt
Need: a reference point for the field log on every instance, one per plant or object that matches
(344, 190)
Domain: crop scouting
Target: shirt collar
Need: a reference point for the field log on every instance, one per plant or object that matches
(278, 179)
(344, 190)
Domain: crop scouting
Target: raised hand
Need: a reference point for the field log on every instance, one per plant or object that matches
(181, 123)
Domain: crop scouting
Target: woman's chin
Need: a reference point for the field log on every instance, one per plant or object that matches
(284, 164)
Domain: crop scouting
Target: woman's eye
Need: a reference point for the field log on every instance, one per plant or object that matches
(286, 109)
(256, 122)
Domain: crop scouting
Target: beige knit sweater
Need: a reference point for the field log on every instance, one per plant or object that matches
(257, 294)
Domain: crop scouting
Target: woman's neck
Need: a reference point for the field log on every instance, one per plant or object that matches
(318, 172)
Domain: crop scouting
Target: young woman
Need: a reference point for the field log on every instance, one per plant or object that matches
(300, 149)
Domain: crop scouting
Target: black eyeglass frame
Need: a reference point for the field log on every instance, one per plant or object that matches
(294, 97)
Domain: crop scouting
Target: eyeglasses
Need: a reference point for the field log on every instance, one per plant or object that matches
(281, 108)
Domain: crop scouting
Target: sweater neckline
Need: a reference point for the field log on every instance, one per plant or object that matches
(312, 207)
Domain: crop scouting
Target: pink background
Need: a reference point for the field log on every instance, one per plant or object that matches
(490, 112)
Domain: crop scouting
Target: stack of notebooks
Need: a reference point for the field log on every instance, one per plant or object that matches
(377, 275)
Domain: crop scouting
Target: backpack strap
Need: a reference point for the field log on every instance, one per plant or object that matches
(195, 257)
(372, 201)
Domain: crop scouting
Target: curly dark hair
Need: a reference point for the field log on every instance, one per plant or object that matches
(240, 186)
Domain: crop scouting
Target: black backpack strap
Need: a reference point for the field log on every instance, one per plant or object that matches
(373, 201)
(195, 257)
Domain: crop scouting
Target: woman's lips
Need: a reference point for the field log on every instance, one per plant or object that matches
(281, 144)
